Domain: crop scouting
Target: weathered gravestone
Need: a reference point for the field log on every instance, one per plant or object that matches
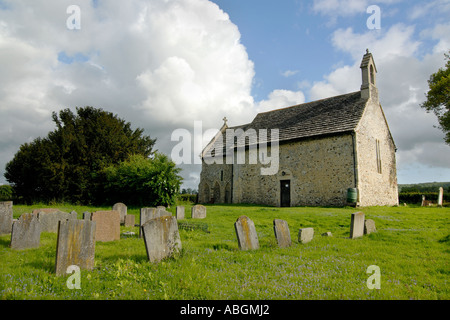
(327, 234)
(108, 225)
(46, 210)
(357, 225)
(180, 212)
(146, 214)
(129, 220)
(161, 238)
(49, 220)
(86, 215)
(75, 245)
(26, 232)
(369, 226)
(160, 208)
(246, 233)
(122, 209)
(6, 217)
(198, 212)
(441, 197)
(305, 235)
(282, 234)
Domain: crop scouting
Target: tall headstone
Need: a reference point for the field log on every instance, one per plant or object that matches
(75, 245)
(26, 232)
(357, 225)
(122, 209)
(49, 219)
(282, 234)
(6, 217)
(161, 238)
(180, 212)
(198, 212)
(305, 235)
(369, 226)
(108, 225)
(441, 197)
(246, 233)
(423, 201)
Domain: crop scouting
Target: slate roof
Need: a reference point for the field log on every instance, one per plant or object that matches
(328, 116)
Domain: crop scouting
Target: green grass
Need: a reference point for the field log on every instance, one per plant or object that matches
(411, 248)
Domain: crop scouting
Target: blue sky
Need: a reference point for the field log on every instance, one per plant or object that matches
(165, 64)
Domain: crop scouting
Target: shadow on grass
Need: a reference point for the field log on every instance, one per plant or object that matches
(4, 242)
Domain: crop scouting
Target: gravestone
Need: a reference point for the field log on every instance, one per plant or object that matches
(108, 225)
(441, 197)
(246, 233)
(423, 201)
(86, 215)
(26, 232)
(145, 214)
(46, 210)
(160, 208)
(6, 217)
(369, 226)
(198, 212)
(305, 235)
(180, 212)
(327, 234)
(122, 209)
(161, 238)
(75, 245)
(49, 219)
(282, 234)
(357, 225)
(129, 220)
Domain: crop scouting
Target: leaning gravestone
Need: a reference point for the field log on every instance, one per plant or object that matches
(369, 226)
(108, 225)
(26, 232)
(49, 220)
(305, 235)
(246, 233)
(180, 212)
(75, 245)
(198, 212)
(6, 217)
(282, 234)
(441, 197)
(161, 238)
(122, 209)
(357, 225)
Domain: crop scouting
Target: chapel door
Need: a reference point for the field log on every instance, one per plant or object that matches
(285, 197)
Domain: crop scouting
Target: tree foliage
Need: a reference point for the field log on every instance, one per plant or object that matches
(65, 165)
(143, 181)
(438, 97)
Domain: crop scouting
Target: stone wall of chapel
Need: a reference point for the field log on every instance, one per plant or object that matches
(375, 187)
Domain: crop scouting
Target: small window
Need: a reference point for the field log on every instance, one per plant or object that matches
(378, 156)
(221, 175)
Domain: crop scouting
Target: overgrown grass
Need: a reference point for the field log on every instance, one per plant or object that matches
(411, 248)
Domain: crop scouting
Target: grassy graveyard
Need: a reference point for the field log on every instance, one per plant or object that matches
(411, 248)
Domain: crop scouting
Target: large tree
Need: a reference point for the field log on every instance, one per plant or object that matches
(438, 97)
(65, 165)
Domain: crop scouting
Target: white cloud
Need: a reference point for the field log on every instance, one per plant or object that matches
(281, 99)
(402, 84)
(289, 73)
(160, 65)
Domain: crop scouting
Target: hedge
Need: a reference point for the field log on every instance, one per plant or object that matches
(416, 197)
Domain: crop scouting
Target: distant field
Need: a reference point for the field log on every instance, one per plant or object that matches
(411, 248)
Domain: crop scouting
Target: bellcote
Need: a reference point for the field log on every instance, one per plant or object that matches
(369, 77)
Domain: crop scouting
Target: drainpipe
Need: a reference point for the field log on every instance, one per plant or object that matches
(355, 163)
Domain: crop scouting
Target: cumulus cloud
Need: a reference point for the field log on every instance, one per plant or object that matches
(402, 84)
(160, 65)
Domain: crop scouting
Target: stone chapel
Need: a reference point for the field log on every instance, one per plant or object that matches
(322, 149)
